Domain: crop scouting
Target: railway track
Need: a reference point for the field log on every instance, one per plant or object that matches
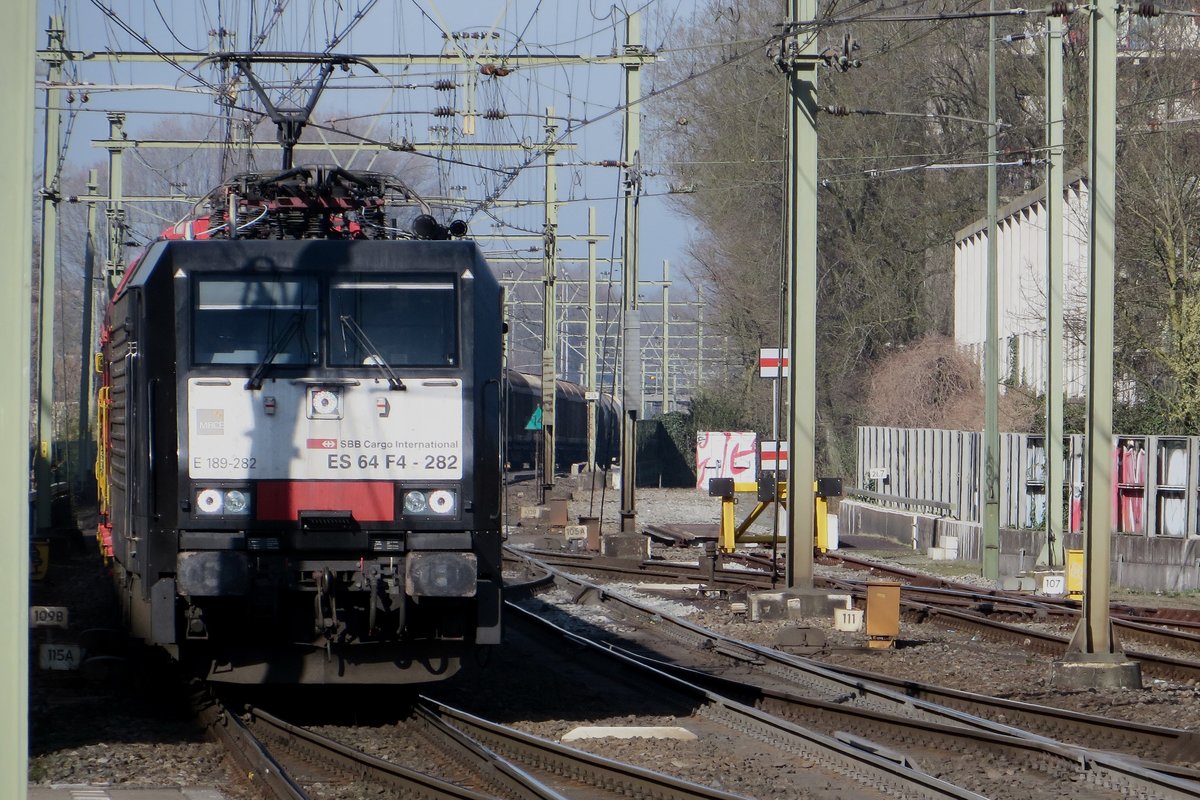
(865, 771)
(957, 609)
(1182, 619)
(561, 765)
(274, 753)
(486, 760)
(931, 719)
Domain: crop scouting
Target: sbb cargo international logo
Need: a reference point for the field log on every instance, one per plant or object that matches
(322, 444)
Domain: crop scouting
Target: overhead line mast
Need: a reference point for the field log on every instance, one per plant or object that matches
(631, 331)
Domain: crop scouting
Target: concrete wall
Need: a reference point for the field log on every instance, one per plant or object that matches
(1148, 564)
(1021, 250)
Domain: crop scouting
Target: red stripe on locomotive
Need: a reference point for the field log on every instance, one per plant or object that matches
(368, 501)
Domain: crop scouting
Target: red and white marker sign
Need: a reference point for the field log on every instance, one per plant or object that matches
(773, 456)
(771, 360)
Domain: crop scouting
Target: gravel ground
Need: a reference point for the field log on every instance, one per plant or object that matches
(85, 734)
(136, 732)
(944, 657)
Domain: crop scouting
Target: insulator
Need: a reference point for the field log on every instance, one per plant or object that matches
(443, 111)
(494, 70)
(1147, 10)
(317, 226)
(444, 85)
(494, 113)
(609, 162)
(1060, 8)
(836, 111)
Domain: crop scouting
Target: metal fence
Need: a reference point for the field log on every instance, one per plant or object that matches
(1156, 479)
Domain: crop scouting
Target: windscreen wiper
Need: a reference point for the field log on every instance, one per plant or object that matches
(360, 336)
(256, 380)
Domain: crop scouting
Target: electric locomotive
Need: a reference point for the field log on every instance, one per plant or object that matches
(300, 462)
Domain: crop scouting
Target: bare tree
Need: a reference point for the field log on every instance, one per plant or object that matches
(886, 220)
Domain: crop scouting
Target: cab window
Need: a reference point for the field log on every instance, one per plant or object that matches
(242, 321)
(401, 323)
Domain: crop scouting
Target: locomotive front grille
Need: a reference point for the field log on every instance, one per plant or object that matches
(327, 521)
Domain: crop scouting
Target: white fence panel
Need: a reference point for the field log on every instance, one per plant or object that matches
(1158, 495)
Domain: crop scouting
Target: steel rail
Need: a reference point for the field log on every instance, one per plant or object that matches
(1051, 644)
(364, 767)
(1161, 632)
(579, 765)
(1175, 744)
(986, 602)
(1106, 768)
(1156, 743)
(868, 768)
(666, 571)
(260, 767)
(496, 769)
(1170, 617)
(1059, 762)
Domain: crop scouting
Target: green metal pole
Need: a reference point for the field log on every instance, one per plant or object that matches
(991, 356)
(666, 357)
(1094, 636)
(47, 280)
(87, 344)
(115, 215)
(1055, 553)
(590, 369)
(801, 59)
(549, 306)
(631, 328)
(16, 280)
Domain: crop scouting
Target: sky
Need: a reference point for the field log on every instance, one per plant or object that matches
(163, 100)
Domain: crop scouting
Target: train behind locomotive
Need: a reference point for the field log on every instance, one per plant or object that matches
(301, 437)
(522, 442)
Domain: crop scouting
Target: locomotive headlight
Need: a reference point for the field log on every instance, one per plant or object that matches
(430, 502)
(415, 502)
(442, 502)
(222, 501)
(324, 402)
(210, 501)
(237, 502)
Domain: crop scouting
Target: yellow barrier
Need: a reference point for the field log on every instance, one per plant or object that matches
(1075, 574)
(39, 559)
(731, 532)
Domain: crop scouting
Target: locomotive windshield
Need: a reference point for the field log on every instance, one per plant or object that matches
(239, 321)
(406, 324)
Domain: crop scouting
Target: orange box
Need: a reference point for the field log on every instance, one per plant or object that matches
(883, 613)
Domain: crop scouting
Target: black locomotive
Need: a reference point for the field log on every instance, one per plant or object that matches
(301, 436)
